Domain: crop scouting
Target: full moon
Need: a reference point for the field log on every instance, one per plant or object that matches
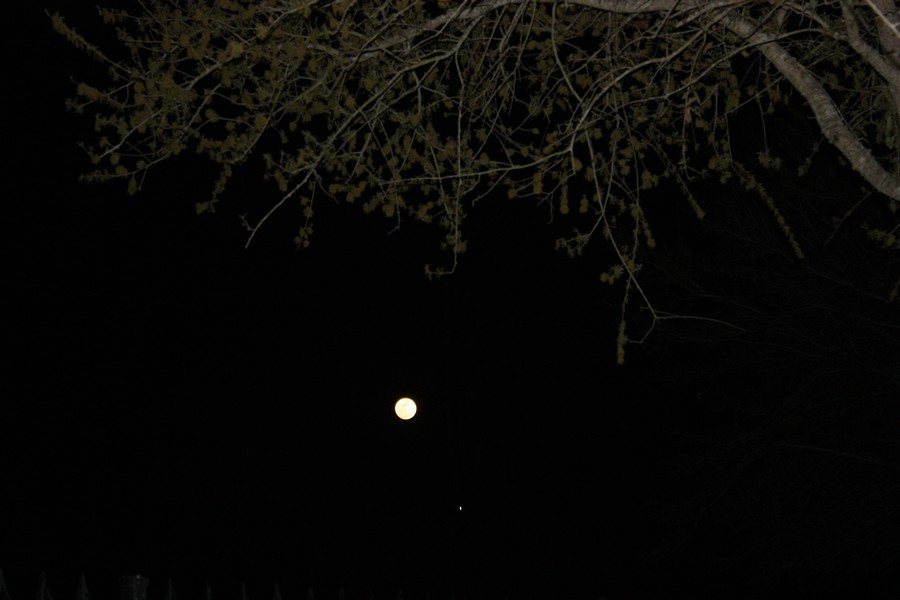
(405, 408)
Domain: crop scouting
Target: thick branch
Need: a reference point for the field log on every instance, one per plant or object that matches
(478, 11)
(888, 69)
(829, 118)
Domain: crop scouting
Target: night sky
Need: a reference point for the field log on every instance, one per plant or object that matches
(179, 407)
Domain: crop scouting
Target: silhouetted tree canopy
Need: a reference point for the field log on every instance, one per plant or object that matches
(603, 112)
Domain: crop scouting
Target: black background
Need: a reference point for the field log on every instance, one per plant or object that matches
(177, 406)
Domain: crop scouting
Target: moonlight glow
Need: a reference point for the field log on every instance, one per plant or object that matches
(405, 408)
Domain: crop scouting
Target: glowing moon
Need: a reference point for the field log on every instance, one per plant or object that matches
(405, 408)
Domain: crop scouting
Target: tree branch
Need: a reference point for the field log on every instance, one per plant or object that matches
(829, 118)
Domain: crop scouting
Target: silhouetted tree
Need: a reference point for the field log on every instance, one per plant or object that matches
(419, 110)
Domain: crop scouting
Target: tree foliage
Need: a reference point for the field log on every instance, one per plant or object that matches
(419, 110)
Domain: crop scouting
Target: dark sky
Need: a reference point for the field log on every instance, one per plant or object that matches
(179, 407)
